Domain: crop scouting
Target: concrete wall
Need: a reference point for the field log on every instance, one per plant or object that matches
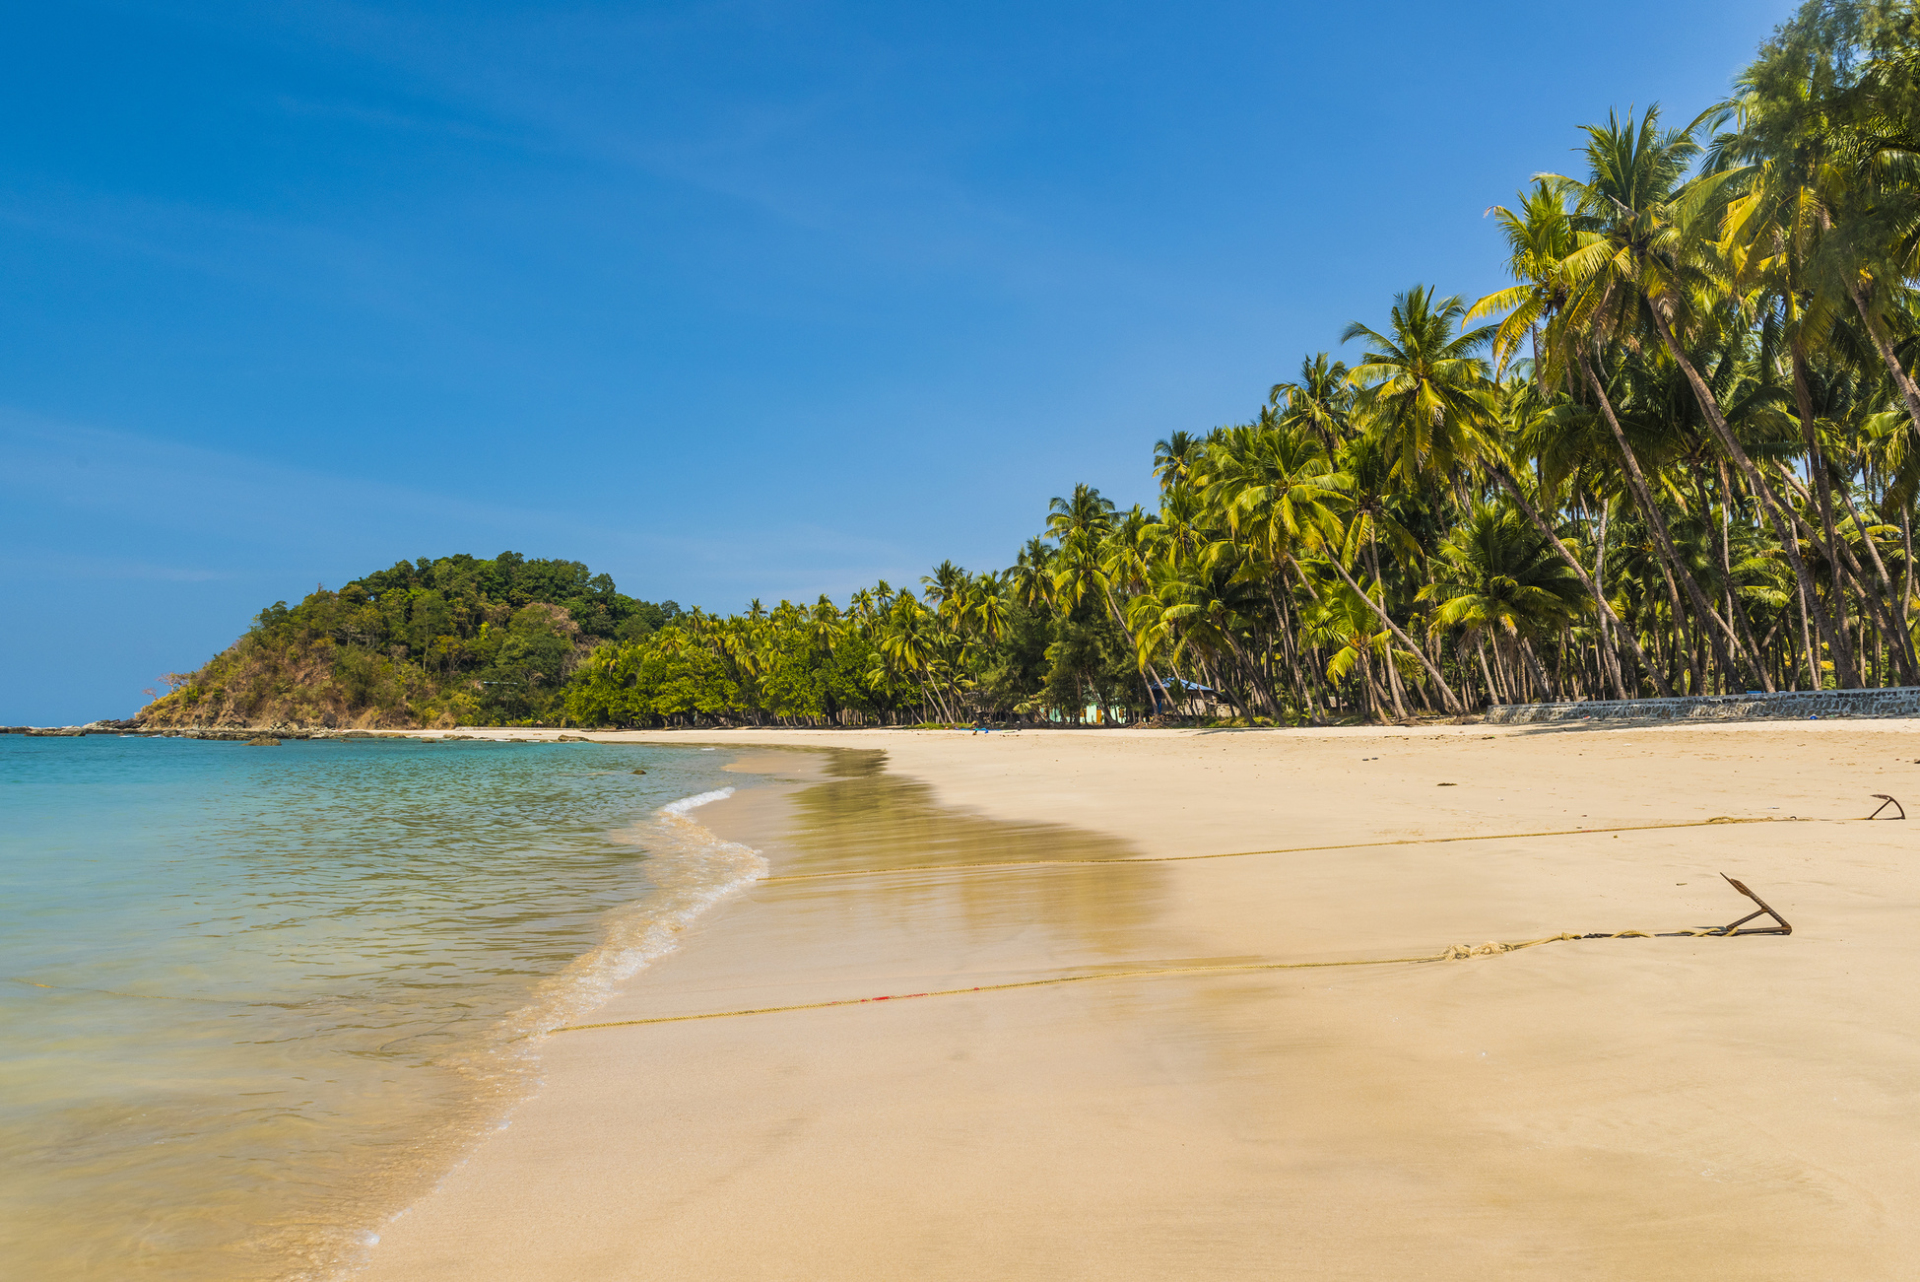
(1799, 705)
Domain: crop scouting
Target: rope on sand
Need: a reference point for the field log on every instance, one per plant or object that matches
(1454, 952)
(1285, 850)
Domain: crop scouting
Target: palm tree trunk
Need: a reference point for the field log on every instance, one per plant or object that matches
(1245, 663)
(1290, 643)
(1735, 610)
(1814, 675)
(1906, 573)
(1507, 654)
(1847, 568)
(1539, 672)
(1120, 622)
(1450, 700)
(1637, 482)
(1486, 673)
(1776, 513)
(1612, 659)
(1593, 589)
(1393, 673)
(1909, 393)
(1893, 617)
(1367, 685)
(1420, 692)
(1823, 487)
(1394, 687)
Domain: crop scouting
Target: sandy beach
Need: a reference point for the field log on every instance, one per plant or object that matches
(1650, 1108)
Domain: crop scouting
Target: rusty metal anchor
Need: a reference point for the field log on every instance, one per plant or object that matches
(1886, 801)
(1733, 928)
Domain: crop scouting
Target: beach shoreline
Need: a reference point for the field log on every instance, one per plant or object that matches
(1585, 1108)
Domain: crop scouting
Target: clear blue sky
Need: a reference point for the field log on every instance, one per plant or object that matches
(729, 300)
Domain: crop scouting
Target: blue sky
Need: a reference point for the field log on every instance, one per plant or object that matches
(728, 300)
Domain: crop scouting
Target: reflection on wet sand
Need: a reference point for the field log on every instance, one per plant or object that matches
(843, 812)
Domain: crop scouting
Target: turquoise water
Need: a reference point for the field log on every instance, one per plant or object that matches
(254, 1000)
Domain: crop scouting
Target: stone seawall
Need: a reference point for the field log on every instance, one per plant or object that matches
(1797, 705)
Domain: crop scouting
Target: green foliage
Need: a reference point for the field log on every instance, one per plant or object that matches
(458, 639)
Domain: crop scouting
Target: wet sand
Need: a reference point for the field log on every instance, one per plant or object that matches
(1667, 1108)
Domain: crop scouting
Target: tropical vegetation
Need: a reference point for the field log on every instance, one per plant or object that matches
(1679, 454)
(448, 641)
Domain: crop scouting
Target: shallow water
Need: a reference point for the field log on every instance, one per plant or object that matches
(256, 999)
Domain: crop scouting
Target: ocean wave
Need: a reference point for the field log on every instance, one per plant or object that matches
(691, 869)
(685, 804)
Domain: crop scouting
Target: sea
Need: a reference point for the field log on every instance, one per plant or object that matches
(254, 1001)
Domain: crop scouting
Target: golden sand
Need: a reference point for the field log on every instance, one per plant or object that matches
(1654, 1108)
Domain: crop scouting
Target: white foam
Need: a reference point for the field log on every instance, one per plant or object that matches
(691, 870)
(702, 799)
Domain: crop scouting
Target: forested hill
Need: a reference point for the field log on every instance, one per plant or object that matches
(453, 640)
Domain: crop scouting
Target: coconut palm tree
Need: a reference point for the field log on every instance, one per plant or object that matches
(1496, 577)
(1174, 457)
(1320, 399)
(1423, 388)
(1540, 240)
(1645, 263)
(1344, 623)
(1428, 398)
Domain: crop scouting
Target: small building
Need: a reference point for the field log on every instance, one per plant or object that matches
(1188, 699)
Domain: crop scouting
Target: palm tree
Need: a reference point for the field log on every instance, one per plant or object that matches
(1643, 262)
(1276, 492)
(1423, 388)
(1345, 623)
(1320, 400)
(1540, 239)
(1809, 238)
(1173, 458)
(1032, 574)
(1497, 577)
(1428, 398)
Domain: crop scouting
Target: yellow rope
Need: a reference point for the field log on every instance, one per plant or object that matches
(1454, 952)
(1242, 854)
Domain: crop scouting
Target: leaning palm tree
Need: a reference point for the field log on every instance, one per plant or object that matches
(1496, 577)
(1551, 423)
(1427, 398)
(1342, 622)
(1338, 550)
(1188, 613)
(1277, 494)
(1647, 264)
